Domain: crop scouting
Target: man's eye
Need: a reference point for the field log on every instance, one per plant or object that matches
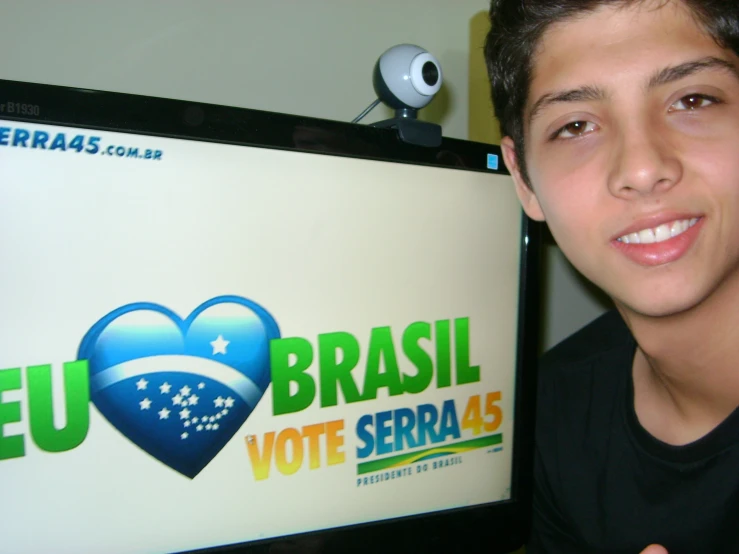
(574, 129)
(693, 102)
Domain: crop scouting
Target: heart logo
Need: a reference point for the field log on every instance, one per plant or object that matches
(180, 389)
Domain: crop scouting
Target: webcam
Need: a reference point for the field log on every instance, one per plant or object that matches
(406, 78)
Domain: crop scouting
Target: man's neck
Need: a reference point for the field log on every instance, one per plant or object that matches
(686, 368)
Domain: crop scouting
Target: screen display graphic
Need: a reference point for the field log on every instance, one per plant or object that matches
(200, 340)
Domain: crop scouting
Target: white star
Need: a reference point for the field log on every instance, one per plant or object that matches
(229, 402)
(201, 386)
(187, 423)
(177, 400)
(141, 384)
(219, 345)
(224, 412)
(208, 427)
(199, 427)
(165, 388)
(184, 414)
(195, 420)
(164, 413)
(184, 436)
(218, 416)
(219, 402)
(215, 426)
(145, 404)
(193, 400)
(212, 419)
(184, 391)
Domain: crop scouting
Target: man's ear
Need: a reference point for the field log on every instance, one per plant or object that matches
(525, 193)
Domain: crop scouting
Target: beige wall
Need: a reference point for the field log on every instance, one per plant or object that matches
(308, 57)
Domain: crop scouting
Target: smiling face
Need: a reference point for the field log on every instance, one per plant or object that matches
(632, 147)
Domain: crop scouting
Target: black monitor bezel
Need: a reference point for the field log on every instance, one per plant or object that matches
(498, 527)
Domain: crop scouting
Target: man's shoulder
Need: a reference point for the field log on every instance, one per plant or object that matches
(580, 395)
(595, 341)
(585, 374)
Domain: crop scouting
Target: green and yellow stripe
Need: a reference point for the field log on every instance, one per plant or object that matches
(434, 452)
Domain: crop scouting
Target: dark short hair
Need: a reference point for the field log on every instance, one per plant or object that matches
(518, 25)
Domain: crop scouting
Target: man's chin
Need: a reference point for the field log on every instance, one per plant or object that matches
(656, 308)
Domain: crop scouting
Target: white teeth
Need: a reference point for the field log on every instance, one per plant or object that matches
(660, 233)
(646, 236)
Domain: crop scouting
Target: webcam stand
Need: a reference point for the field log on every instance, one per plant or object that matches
(410, 130)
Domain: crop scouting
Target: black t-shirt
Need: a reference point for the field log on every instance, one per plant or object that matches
(603, 484)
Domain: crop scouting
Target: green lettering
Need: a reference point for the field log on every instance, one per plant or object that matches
(10, 412)
(418, 357)
(465, 372)
(443, 355)
(381, 347)
(41, 408)
(338, 373)
(284, 373)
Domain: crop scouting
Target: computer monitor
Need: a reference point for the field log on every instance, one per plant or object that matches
(232, 329)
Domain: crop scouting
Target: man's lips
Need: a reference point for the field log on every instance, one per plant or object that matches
(655, 221)
(658, 248)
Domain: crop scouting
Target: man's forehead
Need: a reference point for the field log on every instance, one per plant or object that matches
(576, 58)
(613, 25)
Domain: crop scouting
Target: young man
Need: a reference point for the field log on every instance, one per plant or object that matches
(621, 125)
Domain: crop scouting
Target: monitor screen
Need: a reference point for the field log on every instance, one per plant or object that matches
(207, 343)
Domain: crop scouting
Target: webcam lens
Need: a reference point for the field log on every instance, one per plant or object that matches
(430, 73)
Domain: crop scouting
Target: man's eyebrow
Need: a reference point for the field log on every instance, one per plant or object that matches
(582, 94)
(677, 72)
(662, 77)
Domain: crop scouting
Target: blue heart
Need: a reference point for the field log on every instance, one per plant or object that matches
(180, 389)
